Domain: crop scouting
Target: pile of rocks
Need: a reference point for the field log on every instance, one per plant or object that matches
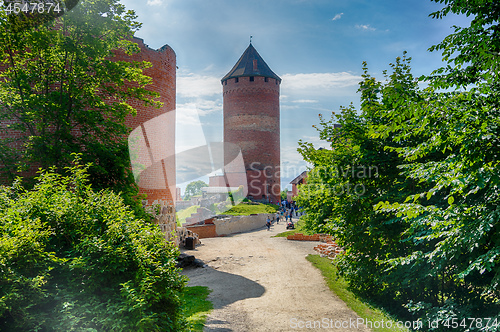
(183, 233)
(164, 216)
(328, 249)
(185, 260)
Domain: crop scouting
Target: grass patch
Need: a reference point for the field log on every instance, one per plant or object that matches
(340, 287)
(244, 209)
(183, 214)
(299, 228)
(196, 306)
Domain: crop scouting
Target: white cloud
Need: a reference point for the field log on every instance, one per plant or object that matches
(318, 82)
(190, 112)
(194, 85)
(154, 2)
(315, 140)
(289, 107)
(365, 27)
(337, 17)
(306, 101)
(189, 132)
(209, 67)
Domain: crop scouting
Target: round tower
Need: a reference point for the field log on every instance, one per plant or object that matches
(252, 121)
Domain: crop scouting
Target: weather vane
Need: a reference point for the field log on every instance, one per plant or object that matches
(251, 39)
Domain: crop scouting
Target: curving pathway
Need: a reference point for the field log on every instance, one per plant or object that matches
(261, 283)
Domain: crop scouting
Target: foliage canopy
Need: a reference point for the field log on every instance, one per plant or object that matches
(73, 259)
(422, 229)
(61, 92)
(194, 189)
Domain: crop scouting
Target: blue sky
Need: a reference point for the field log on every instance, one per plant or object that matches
(316, 46)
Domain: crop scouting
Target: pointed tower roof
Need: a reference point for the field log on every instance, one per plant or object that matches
(251, 64)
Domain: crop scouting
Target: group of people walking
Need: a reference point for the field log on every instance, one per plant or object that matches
(283, 212)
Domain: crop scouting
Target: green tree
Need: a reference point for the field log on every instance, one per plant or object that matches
(193, 189)
(431, 214)
(454, 217)
(283, 194)
(75, 259)
(354, 175)
(61, 92)
(471, 52)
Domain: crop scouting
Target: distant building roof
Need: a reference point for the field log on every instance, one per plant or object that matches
(298, 178)
(251, 64)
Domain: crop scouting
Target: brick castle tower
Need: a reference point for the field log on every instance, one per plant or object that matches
(153, 129)
(252, 121)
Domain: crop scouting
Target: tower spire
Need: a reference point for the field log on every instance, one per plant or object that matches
(251, 64)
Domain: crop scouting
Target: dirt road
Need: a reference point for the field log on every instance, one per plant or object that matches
(261, 283)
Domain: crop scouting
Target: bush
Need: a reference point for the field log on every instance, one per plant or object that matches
(421, 234)
(72, 259)
(244, 209)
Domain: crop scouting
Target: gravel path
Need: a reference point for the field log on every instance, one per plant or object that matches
(261, 283)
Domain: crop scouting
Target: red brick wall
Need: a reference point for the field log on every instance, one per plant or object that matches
(252, 121)
(295, 188)
(158, 182)
(216, 181)
(6, 132)
(302, 237)
(158, 124)
(314, 237)
(203, 231)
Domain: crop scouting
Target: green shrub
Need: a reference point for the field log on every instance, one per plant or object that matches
(72, 259)
(244, 209)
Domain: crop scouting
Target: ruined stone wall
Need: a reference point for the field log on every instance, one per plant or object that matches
(183, 233)
(226, 225)
(240, 224)
(165, 219)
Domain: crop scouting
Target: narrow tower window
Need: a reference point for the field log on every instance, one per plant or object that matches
(236, 80)
(266, 79)
(251, 78)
